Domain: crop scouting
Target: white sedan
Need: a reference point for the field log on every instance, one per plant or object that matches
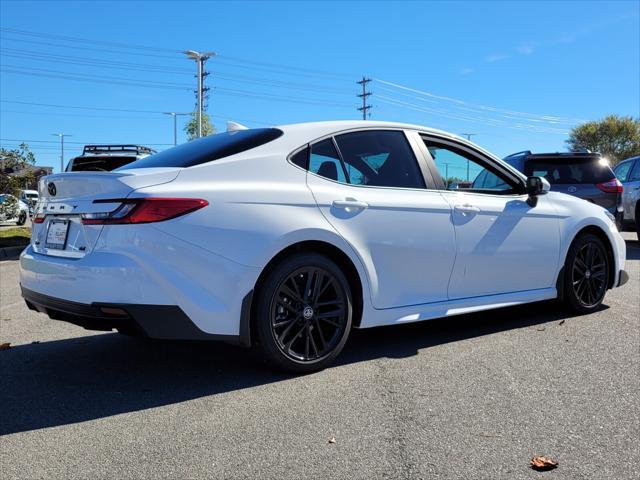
(286, 238)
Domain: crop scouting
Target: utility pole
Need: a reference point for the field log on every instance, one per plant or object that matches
(364, 108)
(61, 135)
(200, 59)
(175, 125)
(468, 135)
(446, 175)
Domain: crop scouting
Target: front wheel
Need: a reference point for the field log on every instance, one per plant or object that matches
(22, 218)
(303, 313)
(586, 273)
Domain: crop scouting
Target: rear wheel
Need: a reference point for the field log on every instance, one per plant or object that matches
(586, 273)
(303, 313)
(638, 221)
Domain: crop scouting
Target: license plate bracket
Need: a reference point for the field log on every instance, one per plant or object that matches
(57, 232)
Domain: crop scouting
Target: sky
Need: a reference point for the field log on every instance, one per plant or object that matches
(518, 75)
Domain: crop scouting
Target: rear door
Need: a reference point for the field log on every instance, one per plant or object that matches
(372, 190)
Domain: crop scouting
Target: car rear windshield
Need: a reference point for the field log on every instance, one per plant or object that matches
(589, 170)
(96, 163)
(209, 148)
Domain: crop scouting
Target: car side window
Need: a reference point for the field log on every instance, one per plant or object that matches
(325, 161)
(634, 176)
(462, 171)
(380, 158)
(622, 171)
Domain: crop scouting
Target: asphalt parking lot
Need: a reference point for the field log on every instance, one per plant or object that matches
(472, 397)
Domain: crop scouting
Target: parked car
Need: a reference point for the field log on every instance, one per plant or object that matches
(581, 174)
(30, 198)
(628, 172)
(107, 157)
(285, 238)
(12, 210)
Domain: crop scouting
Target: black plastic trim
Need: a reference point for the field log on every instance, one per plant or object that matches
(245, 321)
(154, 321)
(623, 278)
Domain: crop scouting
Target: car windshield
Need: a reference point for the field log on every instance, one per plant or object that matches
(208, 148)
(589, 170)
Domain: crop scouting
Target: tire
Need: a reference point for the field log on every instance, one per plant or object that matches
(22, 219)
(303, 315)
(586, 274)
(638, 222)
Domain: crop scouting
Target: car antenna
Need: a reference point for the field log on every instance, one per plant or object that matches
(234, 126)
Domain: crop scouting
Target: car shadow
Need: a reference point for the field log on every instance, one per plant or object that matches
(84, 378)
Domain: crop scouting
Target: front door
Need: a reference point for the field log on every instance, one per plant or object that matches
(505, 244)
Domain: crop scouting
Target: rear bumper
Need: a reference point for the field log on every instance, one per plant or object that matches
(153, 321)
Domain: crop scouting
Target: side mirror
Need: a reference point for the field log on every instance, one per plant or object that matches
(537, 186)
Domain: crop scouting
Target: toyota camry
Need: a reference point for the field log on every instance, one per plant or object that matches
(284, 239)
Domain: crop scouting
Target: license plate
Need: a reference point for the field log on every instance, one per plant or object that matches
(57, 234)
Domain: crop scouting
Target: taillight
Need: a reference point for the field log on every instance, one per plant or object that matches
(144, 210)
(39, 218)
(612, 186)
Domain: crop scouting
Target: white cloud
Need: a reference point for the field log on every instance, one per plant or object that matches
(466, 71)
(495, 57)
(526, 48)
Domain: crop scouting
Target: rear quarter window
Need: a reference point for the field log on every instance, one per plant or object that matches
(569, 170)
(207, 149)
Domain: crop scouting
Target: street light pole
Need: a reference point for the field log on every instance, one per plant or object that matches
(175, 125)
(61, 135)
(200, 59)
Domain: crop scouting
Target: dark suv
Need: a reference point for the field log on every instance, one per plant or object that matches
(105, 158)
(585, 175)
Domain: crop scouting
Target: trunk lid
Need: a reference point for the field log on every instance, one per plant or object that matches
(64, 196)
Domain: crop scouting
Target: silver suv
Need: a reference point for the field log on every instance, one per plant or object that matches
(628, 171)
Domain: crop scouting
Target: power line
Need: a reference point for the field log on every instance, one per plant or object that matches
(479, 106)
(86, 40)
(110, 109)
(364, 95)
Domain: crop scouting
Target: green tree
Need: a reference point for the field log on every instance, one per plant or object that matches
(12, 161)
(191, 128)
(616, 137)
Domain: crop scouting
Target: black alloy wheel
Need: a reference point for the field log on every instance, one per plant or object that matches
(587, 273)
(304, 313)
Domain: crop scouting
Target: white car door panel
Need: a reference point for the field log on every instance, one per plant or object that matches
(504, 245)
(404, 236)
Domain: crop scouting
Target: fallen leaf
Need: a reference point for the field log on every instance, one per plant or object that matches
(543, 463)
(5, 346)
(332, 440)
(561, 322)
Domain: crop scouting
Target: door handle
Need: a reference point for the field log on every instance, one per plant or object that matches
(350, 204)
(466, 209)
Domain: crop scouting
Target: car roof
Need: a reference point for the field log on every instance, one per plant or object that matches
(319, 129)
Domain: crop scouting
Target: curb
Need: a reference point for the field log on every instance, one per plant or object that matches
(11, 253)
